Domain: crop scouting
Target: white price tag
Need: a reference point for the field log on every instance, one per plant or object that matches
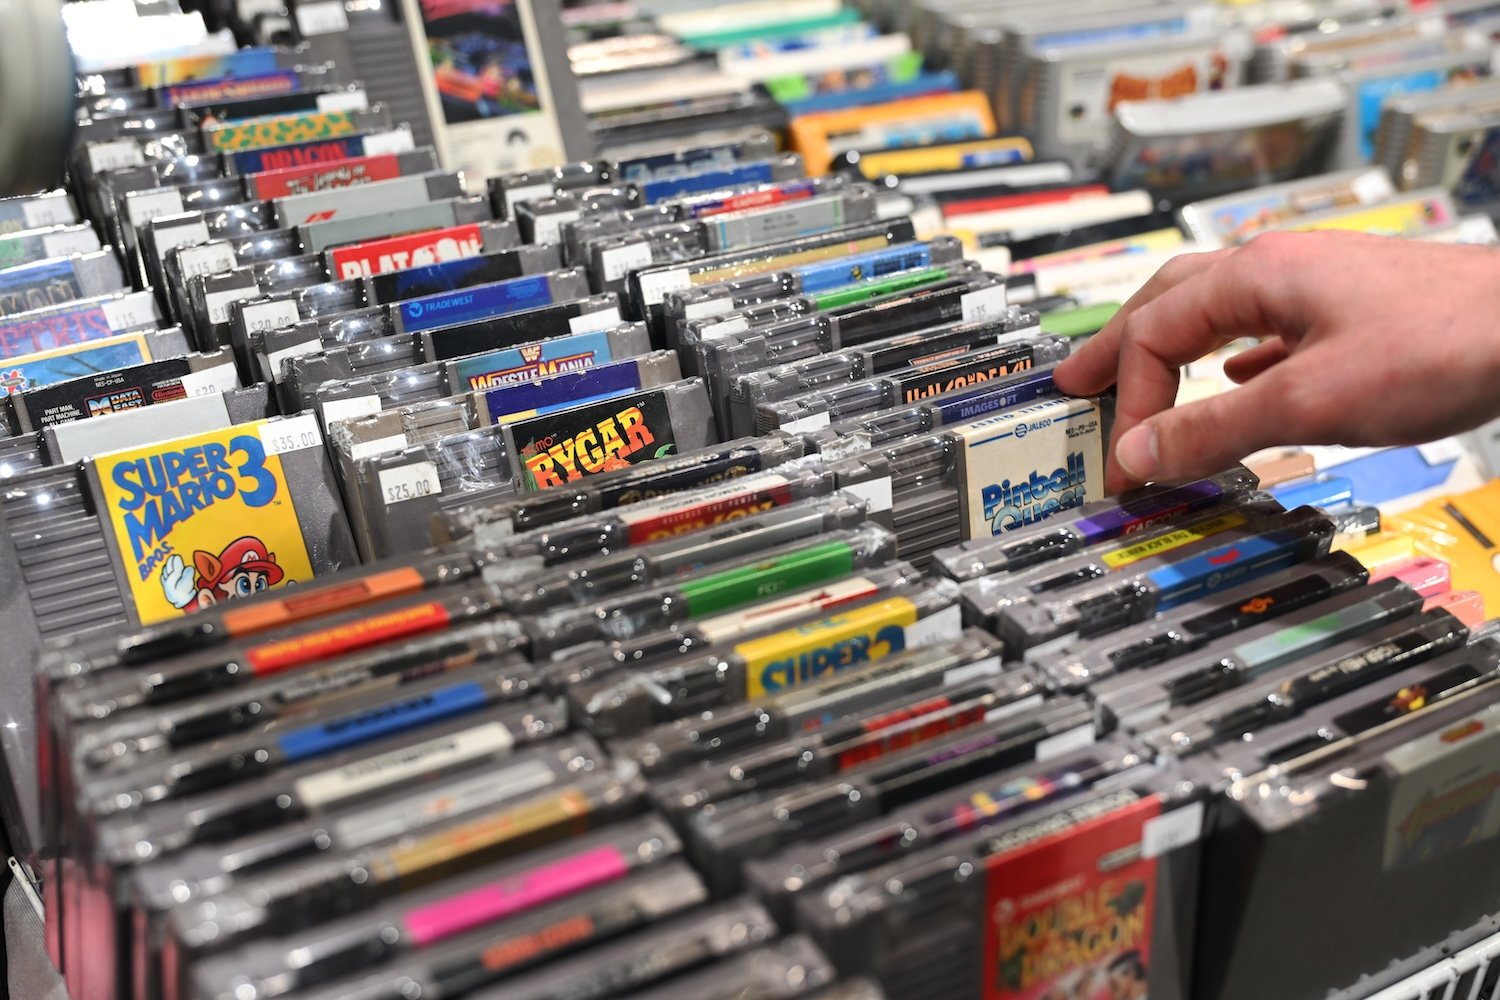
(275, 358)
(348, 409)
(48, 211)
(984, 305)
(987, 667)
(389, 143)
(549, 227)
(876, 493)
(218, 303)
(210, 381)
(853, 444)
(617, 263)
(656, 287)
(115, 155)
(604, 319)
(290, 434)
(182, 236)
(1172, 830)
(270, 315)
(727, 328)
(1056, 746)
(380, 446)
(410, 482)
(249, 10)
(212, 258)
(130, 311)
(712, 307)
(1372, 187)
(1441, 452)
(944, 626)
(147, 205)
(344, 100)
(67, 244)
(324, 18)
(531, 192)
(812, 423)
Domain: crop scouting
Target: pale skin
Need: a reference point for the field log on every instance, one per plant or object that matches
(1365, 341)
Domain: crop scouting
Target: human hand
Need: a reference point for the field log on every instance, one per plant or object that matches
(1365, 340)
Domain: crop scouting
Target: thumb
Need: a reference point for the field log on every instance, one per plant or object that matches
(1199, 439)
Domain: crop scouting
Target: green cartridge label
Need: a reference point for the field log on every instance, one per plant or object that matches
(864, 291)
(746, 584)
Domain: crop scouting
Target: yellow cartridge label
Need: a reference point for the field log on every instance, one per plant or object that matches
(1175, 540)
(803, 654)
(1384, 220)
(282, 130)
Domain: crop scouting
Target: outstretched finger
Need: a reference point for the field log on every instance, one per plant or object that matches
(1246, 365)
(1095, 366)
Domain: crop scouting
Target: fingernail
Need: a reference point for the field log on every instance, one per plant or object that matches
(1136, 453)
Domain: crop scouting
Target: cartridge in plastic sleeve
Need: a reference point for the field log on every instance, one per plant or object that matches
(34, 245)
(653, 521)
(363, 199)
(570, 316)
(649, 285)
(313, 789)
(844, 746)
(333, 730)
(421, 249)
(596, 578)
(960, 406)
(437, 914)
(301, 892)
(1161, 582)
(291, 697)
(53, 282)
(721, 838)
(1294, 689)
(625, 704)
(541, 783)
(666, 646)
(912, 675)
(568, 934)
(974, 892)
(1392, 763)
(319, 236)
(125, 388)
(505, 403)
(94, 318)
(781, 570)
(665, 949)
(1058, 773)
(791, 967)
(910, 380)
(1194, 625)
(1066, 533)
(753, 147)
(625, 487)
(1137, 697)
(508, 191)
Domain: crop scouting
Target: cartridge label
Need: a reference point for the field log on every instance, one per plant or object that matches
(946, 376)
(828, 646)
(557, 356)
(1120, 558)
(1447, 793)
(585, 441)
(37, 286)
(202, 520)
(478, 302)
(668, 517)
(109, 392)
(64, 364)
(1071, 914)
(506, 404)
(239, 88)
(1022, 466)
(324, 176)
(282, 131)
(758, 617)
(394, 767)
(733, 588)
(61, 329)
(401, 252)
(283, 654)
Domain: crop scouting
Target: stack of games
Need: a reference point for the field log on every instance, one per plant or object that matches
(655, 560)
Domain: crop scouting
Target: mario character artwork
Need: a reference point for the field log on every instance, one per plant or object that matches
(243, 569)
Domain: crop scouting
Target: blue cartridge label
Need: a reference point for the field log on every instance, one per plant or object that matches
(382, 720)
(479, 302)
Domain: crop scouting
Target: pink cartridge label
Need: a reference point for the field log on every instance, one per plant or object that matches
(507, 897)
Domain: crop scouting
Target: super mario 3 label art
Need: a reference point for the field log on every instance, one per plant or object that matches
(202, 520)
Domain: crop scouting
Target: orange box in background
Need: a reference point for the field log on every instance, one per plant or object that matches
(823, 136)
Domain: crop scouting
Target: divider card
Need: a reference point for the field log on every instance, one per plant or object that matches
(498, 85)
(206, 519)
